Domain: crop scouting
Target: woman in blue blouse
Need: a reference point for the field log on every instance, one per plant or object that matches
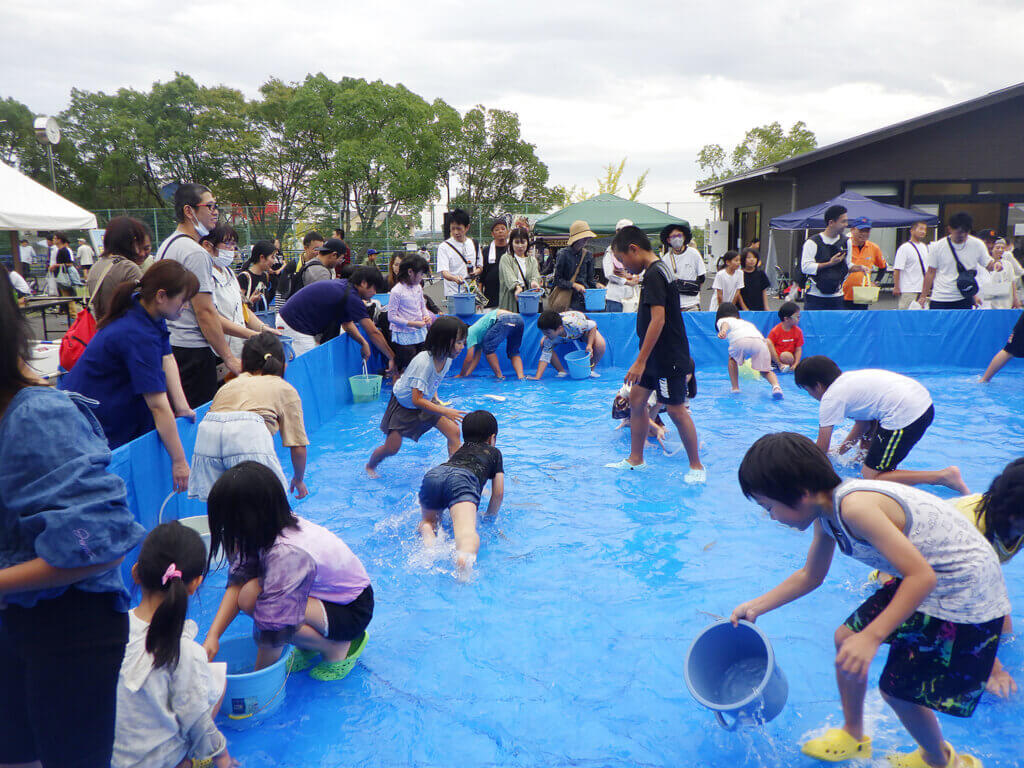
(128, 366)
(64, 529)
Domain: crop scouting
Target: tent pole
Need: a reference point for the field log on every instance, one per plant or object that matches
(16, 253)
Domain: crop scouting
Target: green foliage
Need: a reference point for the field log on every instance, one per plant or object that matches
(761, 146)
(608, 184)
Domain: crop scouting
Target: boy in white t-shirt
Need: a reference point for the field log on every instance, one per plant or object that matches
(909, 266)
(457, 257)
(745, 342)
(958, 252)
(686, 264)
(891, 413)
(728, 282)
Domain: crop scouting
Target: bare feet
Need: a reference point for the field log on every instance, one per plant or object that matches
(951, 478)
(372, 473)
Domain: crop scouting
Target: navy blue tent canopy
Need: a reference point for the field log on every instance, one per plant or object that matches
(881, 215)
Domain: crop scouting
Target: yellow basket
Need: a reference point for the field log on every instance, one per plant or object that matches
(865, 294)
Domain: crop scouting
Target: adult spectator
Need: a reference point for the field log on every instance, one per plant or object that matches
(908, 268)
(623, 286)
(999, 287)
(20, 286)
(393, 265)
(65, 527)
(63, 263)
(950, 281)
(686, 263)
(490, 278)
(825, 259)
(124, 250)
(863, 253)
(519, 271)
(28, 256)
(254, 279)
(311, 241)
(86, 256)
(51, 250)
(321, 266)
(339, 234)
(574, 266)
(319, 309)
(755, 281)
(458, 258)
(197, 338)
(545, 257)
(988, 237)
(371, 257)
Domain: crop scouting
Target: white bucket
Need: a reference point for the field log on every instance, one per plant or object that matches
(44, 358)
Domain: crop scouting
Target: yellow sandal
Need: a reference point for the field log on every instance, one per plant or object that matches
(837, 745)
(916, 760)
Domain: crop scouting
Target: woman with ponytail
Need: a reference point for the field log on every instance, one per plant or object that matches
(245, 415)
(128, 366)
(168, 692)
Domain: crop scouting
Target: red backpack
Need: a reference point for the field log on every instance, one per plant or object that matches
(77, 339)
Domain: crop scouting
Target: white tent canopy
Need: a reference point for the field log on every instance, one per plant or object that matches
(27, 204)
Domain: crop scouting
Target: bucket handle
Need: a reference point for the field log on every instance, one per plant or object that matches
(257, 710)
(735, 723)
(160, 516)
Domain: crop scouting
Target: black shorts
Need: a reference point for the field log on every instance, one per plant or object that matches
(671, 390)
(347, 622)
(958, 304)
(197, 367)
(890, 447)
(1015, 344)
(938, 664)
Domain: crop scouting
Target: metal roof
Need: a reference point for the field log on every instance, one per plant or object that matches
(839, 147)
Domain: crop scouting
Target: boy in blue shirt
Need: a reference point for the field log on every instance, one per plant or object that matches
(486, 335)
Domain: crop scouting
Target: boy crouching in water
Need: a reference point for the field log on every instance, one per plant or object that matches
(941, 618)
(456, 485)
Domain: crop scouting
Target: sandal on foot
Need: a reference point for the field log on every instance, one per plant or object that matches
(329, 671)
(837, 745)
(915, 759)
(301, 659)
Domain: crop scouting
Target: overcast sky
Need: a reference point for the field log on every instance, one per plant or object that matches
(592, 82)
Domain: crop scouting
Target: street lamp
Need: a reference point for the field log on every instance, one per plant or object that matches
(48, 134)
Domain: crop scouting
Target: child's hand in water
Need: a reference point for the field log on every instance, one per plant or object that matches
(211, 645)
(298, 487)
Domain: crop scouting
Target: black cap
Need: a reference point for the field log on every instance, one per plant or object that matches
(333, 245)
(987, 234)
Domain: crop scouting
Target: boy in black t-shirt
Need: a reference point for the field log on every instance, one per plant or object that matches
(457, 484)
(664, 358)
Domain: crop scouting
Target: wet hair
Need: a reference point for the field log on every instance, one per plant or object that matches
(814, 370)
(1003, 503)
(311, 237)
(549, 320)
(222, 233)
(745, 252)
(726, 309)
(411, 265)
(367, 273)
(263, 353)
(727, 257)
(459, 216)
(121, 237)
(788, 309)
(784, 466)
(14, 346)
(167, 275)
(188, 194)
(479, 426)
(169, 545)
(444, 334)
(961, 221)
(519, 233)
(247, 509)
(833, 212)
(628, 236)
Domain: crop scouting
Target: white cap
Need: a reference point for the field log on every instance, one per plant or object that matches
(623, 223)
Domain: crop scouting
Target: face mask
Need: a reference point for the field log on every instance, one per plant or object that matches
(224, 258)
(200, 229)
(676, 242)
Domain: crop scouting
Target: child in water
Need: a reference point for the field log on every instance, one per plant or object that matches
(745, 342)
(168, 692)
(299, 582)
(942, 618)
(656, 429)
(456, 485)
(484, 338)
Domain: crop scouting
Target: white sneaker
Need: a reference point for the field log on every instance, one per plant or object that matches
(561, 374)
(696, 477)
(595, 375)
(777, 392)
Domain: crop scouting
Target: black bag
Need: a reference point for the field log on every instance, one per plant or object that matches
(966, 279)
(830, 279)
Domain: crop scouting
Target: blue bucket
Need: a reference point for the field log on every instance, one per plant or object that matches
(381, 298)
(578, 364)
(462, 304)
(594, 299)
(251, 697)
(529, 302)
(268, 318)
(732, 671)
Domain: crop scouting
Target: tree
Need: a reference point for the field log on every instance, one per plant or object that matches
(609, 184)
(18, 143)
(761, 146)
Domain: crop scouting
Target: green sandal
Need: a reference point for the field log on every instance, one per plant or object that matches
(330, 671)
(301, 660)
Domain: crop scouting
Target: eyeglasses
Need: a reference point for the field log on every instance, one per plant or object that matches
(211, 206)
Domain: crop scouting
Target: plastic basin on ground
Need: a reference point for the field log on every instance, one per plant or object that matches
(250, 697)
(578, 364)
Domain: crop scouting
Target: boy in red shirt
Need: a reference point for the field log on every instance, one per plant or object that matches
(786, 340)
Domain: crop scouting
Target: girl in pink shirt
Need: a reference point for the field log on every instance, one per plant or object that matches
(407, 310)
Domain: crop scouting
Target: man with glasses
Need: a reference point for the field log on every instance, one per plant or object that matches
(197, 339)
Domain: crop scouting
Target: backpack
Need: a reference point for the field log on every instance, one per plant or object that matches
(76, 339)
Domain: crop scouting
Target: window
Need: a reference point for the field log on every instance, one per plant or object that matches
(1001, 188)
(942, 189)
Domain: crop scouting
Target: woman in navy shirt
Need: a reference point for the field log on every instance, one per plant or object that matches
(128, 366)
(64, 529)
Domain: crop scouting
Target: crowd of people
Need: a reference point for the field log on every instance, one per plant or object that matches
(140, 690)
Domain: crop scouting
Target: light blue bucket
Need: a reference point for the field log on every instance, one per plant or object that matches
(578, 364)
(462, 304)
(251, 697)
(381, 298)
(594, 299)
(529, 302)
(732, 671)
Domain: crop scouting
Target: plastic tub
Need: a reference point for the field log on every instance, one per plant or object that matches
(251, 697)
(594, 299)
(578, 364)
(529, 302)
(732, 670)
(462, 304)
(365, 387)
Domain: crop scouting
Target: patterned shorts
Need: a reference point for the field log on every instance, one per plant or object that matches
(938, 664)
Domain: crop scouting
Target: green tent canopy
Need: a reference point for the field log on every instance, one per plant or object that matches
(602, 213)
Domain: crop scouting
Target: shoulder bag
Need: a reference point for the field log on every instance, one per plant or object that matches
(560, 299)
(966, 279)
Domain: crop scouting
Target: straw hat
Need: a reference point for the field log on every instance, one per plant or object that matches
(579, 230)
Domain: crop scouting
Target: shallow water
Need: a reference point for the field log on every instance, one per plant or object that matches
(566, 645)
